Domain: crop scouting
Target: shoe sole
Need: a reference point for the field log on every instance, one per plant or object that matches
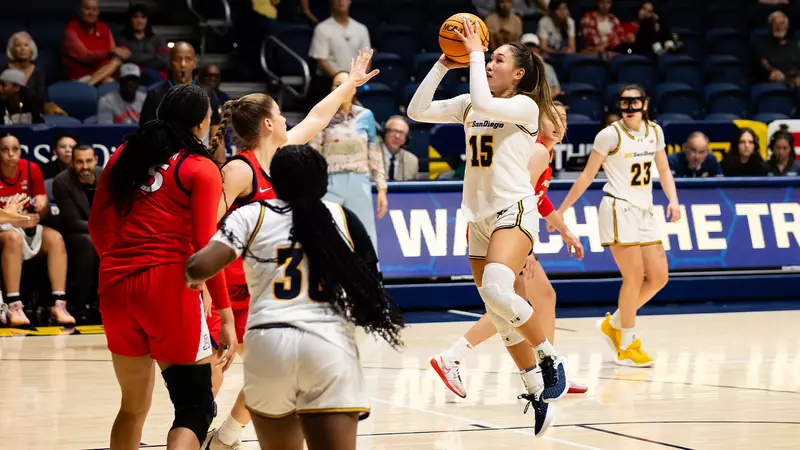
(576, 390)
(548, 399)
(599, 325)
(443, 377)
(551, 414)
(629, 363)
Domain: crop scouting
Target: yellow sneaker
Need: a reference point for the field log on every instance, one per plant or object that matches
(612, 336)
(634, 356)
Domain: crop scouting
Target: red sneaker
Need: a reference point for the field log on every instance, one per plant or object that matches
(576, 388)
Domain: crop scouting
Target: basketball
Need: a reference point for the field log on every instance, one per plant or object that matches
(449, 41)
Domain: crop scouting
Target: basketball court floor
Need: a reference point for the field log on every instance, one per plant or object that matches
(721, 381)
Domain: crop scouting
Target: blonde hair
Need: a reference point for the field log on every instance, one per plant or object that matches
(13, 38)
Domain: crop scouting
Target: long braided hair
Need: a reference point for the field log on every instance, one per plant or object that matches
(152, 144)
(353, 291)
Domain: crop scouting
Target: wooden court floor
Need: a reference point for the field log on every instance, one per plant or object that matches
(722, 381)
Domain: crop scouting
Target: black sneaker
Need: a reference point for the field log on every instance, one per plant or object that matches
(555, 378)
(544, 412)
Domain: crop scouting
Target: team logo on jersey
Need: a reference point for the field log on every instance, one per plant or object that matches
(639, 154)
(487, 124)
(206, 342)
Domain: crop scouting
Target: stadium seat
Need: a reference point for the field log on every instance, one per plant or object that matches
(105, 88)
(61, 120)
(678, 98)
(634, 69)
(758, 35)
(693, 43)
(680, 69)
(91, 120)
(405, 12)
(420, 136)
(365, 13)
(400, 40)
(687, 16)
(728, 16)
(49, 61)
(461, 88)
(379, 99)
(578, 118)
(423, 63)
(726, 98)
(774, 98)
(725, 69)
(586, 69)
(611, 94)
(297, 38)
(584, 99)
(674, 117)
(47, 34)
(7, 28)
(721, 117)
(395, 71)
(728, 42)
(442, 93)
(769, 117)
(79, 100)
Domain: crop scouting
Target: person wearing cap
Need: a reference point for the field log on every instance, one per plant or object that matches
(125, 105)
(17, 104)
(504, 26)
(532, 42)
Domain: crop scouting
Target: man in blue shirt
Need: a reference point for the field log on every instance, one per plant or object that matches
(695, 161)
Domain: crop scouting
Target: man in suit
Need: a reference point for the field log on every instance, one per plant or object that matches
(401, 165)
(74, 191)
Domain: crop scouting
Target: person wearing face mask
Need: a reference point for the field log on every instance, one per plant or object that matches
(401, 164)
(743, 159)
(783, 161)
(62, 155)
(695, 160)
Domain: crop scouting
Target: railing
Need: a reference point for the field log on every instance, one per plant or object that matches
(285, 83)
(219, 26)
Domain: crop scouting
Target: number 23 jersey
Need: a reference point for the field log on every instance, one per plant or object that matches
(630, 160)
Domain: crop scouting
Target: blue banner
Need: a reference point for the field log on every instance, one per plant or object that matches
(726, 225)
(36, 141)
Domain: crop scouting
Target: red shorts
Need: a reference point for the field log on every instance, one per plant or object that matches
(153, 312)
(240, 304)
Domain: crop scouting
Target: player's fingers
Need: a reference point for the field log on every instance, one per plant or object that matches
(373, 73)
(230, 354)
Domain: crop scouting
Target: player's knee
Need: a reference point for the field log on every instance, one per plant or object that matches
(11, 241)
(657, 278)
(53, 242)
(497, 291)
(190, 391)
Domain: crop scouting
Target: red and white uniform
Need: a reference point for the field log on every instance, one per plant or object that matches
(27, 180)
(234, 273)
(146, 306)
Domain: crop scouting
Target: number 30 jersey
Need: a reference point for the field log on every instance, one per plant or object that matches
(630, 160)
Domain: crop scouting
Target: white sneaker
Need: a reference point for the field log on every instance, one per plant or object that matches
(449, 371)
(212, 442)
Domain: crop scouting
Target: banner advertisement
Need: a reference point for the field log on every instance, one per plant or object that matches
(721, 228)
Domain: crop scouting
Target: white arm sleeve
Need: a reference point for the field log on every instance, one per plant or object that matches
(422, 107)
(519, 109)
(238, 227)
(606, 140)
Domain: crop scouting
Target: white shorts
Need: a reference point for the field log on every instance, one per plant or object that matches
(622, 223)
(31, 245)
(288, 370)
(523, 214)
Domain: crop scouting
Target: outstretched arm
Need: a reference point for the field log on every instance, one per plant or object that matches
(422, 107)
(322, 113)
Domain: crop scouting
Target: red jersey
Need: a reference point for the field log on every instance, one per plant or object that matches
(543, 203)
(261, 190)
(173, 216)
(27, 180)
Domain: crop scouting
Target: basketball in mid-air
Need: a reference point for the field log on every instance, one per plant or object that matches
(451, 44)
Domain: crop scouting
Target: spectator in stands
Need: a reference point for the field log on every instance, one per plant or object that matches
(182, 62)
(74, 190)
(601, 30)
(783, 161)
(743, 159)
(123, 106)
(648, 35)
(90, 54)
(401, 164)
(523, 8)
(210, 75)
(148, 51)
(315, 10)
(532, 42)
(557, 31)
(62, 155)
(22, 51)
(504, 26)
(337, 39)
(349, 144)
(695, 160)
(18, 105)
(27, 239)
(610, 118)
(778, 53)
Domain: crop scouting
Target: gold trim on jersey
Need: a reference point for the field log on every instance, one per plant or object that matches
(333, 410)
(517, 223)
(627, 133)
(346, 227)
(466, 111)
(270, 416)
(525, 130)
(479, 258)
(616, 235)
(644, 244)
(619, 140)
(255, 230)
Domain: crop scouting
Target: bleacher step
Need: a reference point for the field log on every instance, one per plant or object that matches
(239, 89)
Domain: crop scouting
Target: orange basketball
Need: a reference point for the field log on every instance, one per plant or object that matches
(451, 44)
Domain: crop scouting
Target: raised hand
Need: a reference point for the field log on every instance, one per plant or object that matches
(471, 38)
(450, 64)
(359, 66)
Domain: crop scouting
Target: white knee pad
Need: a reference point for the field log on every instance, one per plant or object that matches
(497, 291)
(508, 333)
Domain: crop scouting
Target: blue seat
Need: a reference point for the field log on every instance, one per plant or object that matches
(768, 117)
(105, 88)
(693, 44)
(634, 69)
(91, 120)
(578, 118)
(725, 69)
(423, 62)
(674, 117)
(680, 69)
(584, 99)
(297, 38)
(586, 69)
(395, 71)
(420, 138)
(728, 42)
(61, 120)
(442, 93)
(726, 98)
(367, 14)
(461, 88)
(379, 99)
(758, 35)
(400, 40)
(47, 34)
(79, 100)
(773, 97)
(7, 28)
(684, 15)
(404, 13)
(612, 94)
(728, 16)
(677, 98)
(721, 117)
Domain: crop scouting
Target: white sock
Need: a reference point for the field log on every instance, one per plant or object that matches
(459, 350)
(231, 431)
(532, 380)
(545, 349)
(616, 322)
(628, 336)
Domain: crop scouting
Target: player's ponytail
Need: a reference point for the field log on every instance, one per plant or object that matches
(353, 291)
(534, 82)
(152, 144)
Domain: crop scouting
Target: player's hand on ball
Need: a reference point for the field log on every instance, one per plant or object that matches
(673, 212)
(471, 38)
(450, 64)
(359, 66)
